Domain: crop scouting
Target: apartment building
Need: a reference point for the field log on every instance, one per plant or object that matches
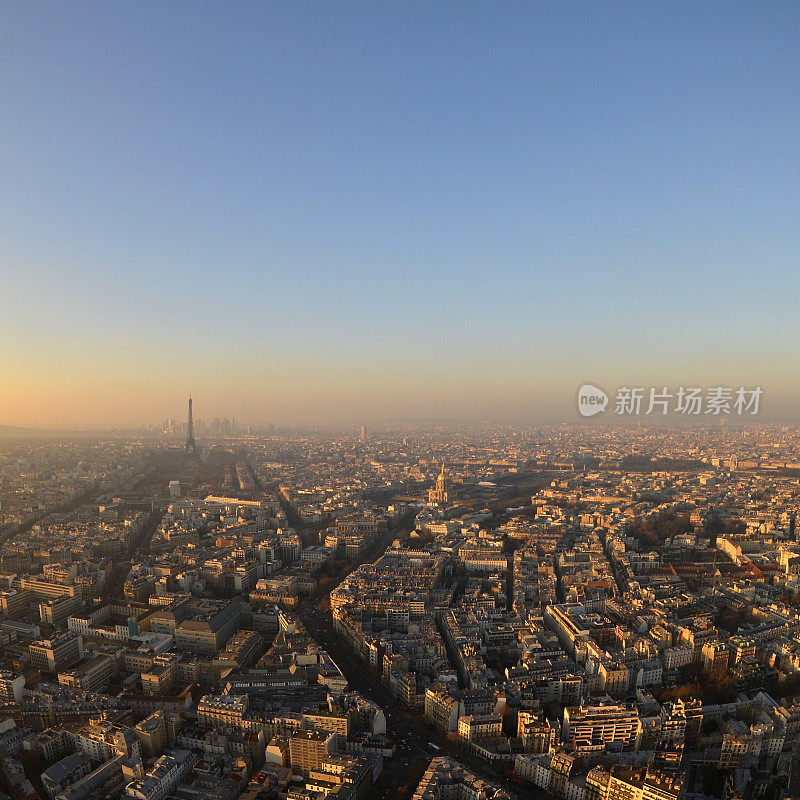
(57, 653)
(41, 589)
(222, 710)
(480, 728)
(90, 676)
(151, 733)
(326, 720)
(446, 778)
(442, 710)
(162, 778)
(308, 749)
(199, 626)
(608, 724)
(14, 603)
(57, 610)
(627, 783)
(12, 686)
(538, 735)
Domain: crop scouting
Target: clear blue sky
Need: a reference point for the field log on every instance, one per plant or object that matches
(336, 211)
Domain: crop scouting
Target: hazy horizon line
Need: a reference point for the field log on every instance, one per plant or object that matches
(667, 422)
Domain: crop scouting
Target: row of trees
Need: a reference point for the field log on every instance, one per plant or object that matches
(657, 529)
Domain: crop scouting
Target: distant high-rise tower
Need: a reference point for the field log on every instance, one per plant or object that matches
(363, 436)
(191, 445)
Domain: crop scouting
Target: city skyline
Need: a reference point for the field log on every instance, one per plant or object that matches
(399, 400)
(307, 214)
(581, 613)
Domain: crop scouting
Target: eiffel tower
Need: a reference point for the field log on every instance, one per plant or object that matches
(191, 447)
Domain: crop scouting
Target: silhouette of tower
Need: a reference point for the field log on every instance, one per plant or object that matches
(191, 445)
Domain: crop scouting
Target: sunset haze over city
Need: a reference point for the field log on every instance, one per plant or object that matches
(399, 400)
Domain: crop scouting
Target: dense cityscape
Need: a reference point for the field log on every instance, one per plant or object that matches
(399, 400)
(422, 611)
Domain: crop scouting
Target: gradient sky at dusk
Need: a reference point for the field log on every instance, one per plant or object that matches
(355, 211)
